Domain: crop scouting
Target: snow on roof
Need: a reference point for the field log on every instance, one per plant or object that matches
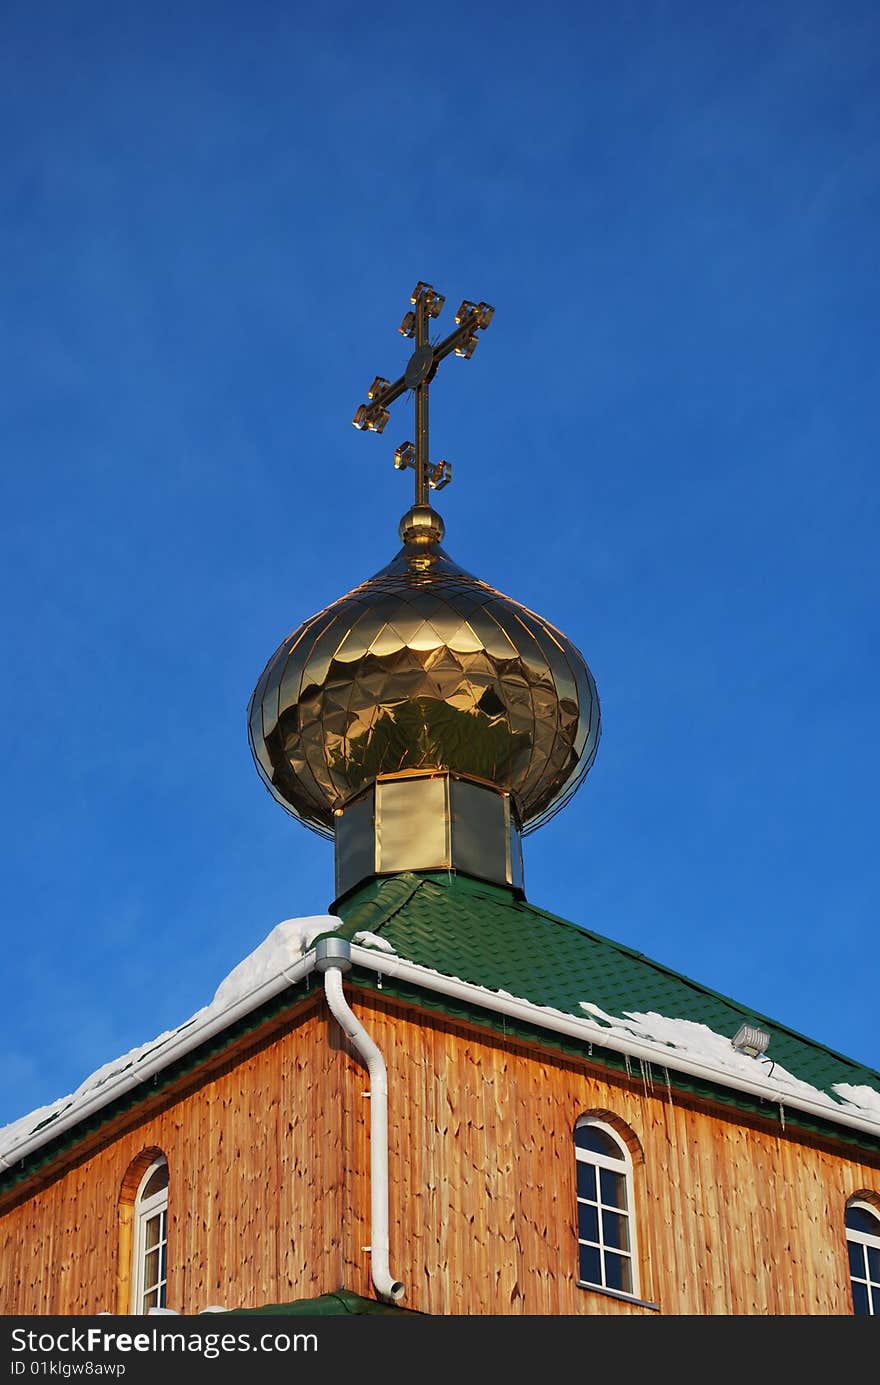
(291, 939)
(865, 1097)
(688, 1038)
(17, 1130)
(367, 939)
(689, 1041)
(284, 946)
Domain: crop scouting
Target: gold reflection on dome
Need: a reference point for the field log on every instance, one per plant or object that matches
(423, 667)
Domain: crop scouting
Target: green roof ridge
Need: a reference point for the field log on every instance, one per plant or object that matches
(369, 915)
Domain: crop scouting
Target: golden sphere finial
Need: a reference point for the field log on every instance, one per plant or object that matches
(421, 526)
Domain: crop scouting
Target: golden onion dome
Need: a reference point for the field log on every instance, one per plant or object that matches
(423, 667)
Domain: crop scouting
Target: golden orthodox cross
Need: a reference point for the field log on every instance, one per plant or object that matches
(420, 371)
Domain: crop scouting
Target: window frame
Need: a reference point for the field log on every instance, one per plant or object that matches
(865, 1240)
(623, 1166)
(145, 1210)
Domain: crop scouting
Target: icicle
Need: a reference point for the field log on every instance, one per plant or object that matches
(782, 1114)
(668, 1085)
(378, 980)
(629, 1071)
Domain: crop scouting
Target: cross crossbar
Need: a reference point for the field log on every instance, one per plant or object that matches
(421, 368)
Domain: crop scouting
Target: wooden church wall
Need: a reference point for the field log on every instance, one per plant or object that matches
(269, 1187)
(731, 1219)
(255, 1169)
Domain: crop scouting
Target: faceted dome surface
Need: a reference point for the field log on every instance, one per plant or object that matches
(423, 667)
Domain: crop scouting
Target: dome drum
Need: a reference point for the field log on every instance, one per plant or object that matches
(428, 821)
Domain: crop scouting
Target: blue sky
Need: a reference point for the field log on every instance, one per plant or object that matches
(212, 219)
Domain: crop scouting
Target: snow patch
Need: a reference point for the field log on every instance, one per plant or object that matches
(284, 946)
(865, 1097)
(18, 1130)
(372, 940)
(699, 1042)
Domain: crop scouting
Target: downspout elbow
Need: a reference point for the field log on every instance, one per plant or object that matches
(332, 957)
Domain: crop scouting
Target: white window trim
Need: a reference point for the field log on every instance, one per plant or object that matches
(624, 1166)
(144, 1210)
(864, 1238)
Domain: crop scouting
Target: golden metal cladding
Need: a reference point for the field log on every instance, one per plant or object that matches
(427, 820)
(424, 667)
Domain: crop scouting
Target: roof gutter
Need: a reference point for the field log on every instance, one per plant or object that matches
(387, 964)
(188, 1038)
(587, 1032)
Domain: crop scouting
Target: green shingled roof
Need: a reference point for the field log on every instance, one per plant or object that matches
(486, 935)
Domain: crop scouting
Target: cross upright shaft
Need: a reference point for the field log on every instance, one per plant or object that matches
(421, 392)
(420, 371)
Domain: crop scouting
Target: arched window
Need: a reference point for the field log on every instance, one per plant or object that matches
(863, 1244)
(149, 1269)
(606, 1229)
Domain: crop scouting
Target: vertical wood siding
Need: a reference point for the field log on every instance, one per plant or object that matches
(270, 1193)
(255, 1187)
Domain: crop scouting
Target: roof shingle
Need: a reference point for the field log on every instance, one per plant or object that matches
(484, 934)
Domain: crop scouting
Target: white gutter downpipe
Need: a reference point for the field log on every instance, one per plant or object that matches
(333, 957)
